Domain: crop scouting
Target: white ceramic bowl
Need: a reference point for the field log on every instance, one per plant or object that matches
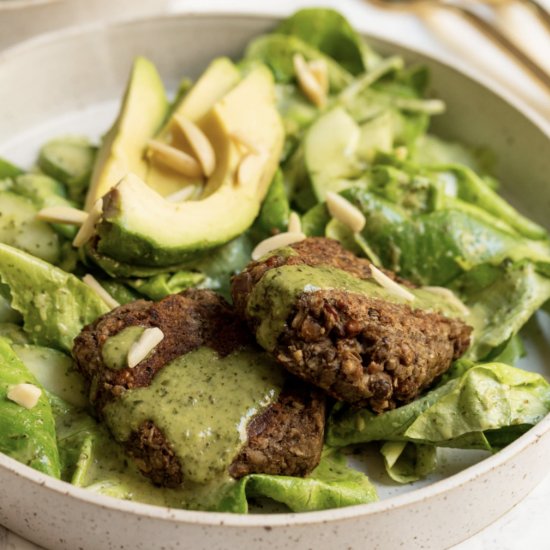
(72, 83)
(21, 19)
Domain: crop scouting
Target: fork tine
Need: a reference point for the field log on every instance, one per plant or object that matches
(500, 39)
(542, 13)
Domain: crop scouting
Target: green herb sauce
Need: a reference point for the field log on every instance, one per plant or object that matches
(202, 403)
(115, 349)
(274, 296)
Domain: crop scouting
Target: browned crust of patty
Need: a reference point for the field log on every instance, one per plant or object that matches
(287, 438)
(190, 320)
(154, 456)
(362, 350)
(367, 351)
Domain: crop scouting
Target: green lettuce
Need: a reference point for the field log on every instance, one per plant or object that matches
(275, 210)
(407, 462)
(161, 285)
(55, 305)
(331, 485)
(278, 50)
(27, 435)
(330, 32)
(466, 412)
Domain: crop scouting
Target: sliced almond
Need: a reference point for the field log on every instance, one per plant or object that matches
(87, 229)
(249, 167)
(183, 194)
(278, 241)
(450, 296)
(26, 395)
(309, 85)
(401, 152)
(319, 69)
(175, 159)
(199, 143)
(345, 212)
(240, 139)
(92, 282)
(147, 342)
(62, 214)
(294, 223)
(384, 281)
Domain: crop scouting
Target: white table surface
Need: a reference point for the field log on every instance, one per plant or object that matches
(525, 526)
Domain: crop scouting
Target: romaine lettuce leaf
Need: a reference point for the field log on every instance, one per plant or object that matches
(161, 285)
(407, 462)
(330, 32)
(27, 435)
(434, 248)
(55, 305)
(466, 412)
(331, 485)
(278, 50)
(501, 299)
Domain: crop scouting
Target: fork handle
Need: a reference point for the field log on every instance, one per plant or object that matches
(500, 39)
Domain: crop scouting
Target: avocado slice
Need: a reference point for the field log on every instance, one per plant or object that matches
(143, 110)
(139, 226)
(220, 77)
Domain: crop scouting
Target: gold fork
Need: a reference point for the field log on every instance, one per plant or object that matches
(481, 24)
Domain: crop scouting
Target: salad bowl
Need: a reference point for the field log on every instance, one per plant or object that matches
(68, 83)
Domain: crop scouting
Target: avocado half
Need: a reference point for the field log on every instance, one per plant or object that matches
(139, 226)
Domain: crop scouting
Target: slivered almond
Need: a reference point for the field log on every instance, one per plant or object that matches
(147, 342)
(294, 223)
(309, 85)
(240, 139)
(62, 214)
(92, 282)
(278, 241)
(319, 69)
(26, 395)
(450, 296)
(174, 158)
(384, 281)
(401, 152)
(87, 229)
(199, 143)
(249, 166)
(345, 212)
(183, 194)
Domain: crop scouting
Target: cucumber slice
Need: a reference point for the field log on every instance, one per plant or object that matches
(8, 170)
(14, 333)
(55, 371)
(329, 148)
(43, 192)
(70, 161)
(20, 228)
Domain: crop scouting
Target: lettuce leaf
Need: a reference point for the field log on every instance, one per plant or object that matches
(466, 412)
(27, 435)
(278, 50)
(407, 462)
(55, 305)
(331, 485)
(501, 299)
(329, 32)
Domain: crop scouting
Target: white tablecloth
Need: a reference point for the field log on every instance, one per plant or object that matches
(526, 526)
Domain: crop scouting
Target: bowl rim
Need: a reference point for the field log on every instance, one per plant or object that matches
(14, 5)
(203, 518)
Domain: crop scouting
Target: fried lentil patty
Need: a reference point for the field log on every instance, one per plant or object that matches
(285, 438)
(359, 348)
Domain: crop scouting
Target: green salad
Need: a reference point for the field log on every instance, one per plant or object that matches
(309, 111)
